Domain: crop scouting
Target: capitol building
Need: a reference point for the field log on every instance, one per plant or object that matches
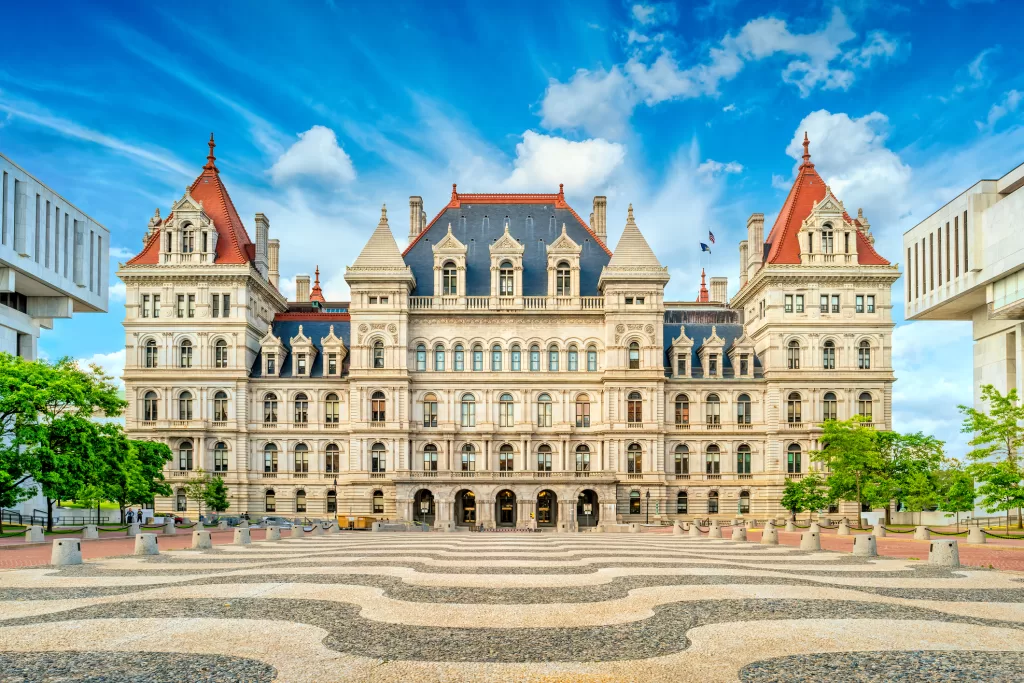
(509, 368)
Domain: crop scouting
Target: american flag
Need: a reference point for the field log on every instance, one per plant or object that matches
(711, 236)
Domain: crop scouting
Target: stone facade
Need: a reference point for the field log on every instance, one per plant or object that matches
(507, 368)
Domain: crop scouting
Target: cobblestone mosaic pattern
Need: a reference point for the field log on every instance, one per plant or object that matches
(481, 607)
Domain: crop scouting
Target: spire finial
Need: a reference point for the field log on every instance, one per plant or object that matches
(561, 190)
(703, 295)
(455, 194)
(384, 213)
(210, 158)
(449, 227)
(317, 274)
(807, 149)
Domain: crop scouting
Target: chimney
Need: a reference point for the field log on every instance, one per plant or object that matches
(262, 233)
(273, 248)
(302, 288)
(417, 218)
(598, 222)
(720, 289)
(743, 264)
(755, 242)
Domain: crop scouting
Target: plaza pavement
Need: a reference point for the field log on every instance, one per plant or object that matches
(510, 607)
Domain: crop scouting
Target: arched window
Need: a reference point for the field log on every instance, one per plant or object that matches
(270, 409)
(302, 458)
(544, 458)
(378, 458)
(828, 355)
(378, 502)
(743, 409)
(152, 354)
(506, 459)
(468, 410)
(553, 358)
(634, 356)
(332, 459)
(563, 279)
(864, 355)
(270, 501)
(743, 459)
(301, 409)
(506, 411)
(220, 407)
(574, 359)
(430, 458)
(864, 407)
(449, 279)
(185, 456)
(460, 358)
(300, 500)
(478, 358)
(543, 410)
(634, 408)
(429, 410)
(378, 407)
(332, 502)
(826, 239)
(150, 409)
(634, 459)
(185, 405)
(534, 358)
(439, 358)
(421, 357)
(188, 240)
(829, 406)
(713, 503)
(744, 502)
(185, 354)
(793, 408)
(496, 358)
(591, 359)
(516, 358)
(682, 503)
(332, 409)
(582, 458)
(220, 354)
(378, 354)
(634, 502)
(793, 354)
(712, 460)
(713, 410)
(793, 464)
(270, 458)
(582, 410)
(468, 458)
(506, 279)
(682, 409)
(682, 459)
(180, 499)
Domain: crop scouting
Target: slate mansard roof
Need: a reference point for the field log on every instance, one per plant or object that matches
(315, 330)
(534, 220)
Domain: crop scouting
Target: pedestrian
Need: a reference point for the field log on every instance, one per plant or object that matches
(130, 517)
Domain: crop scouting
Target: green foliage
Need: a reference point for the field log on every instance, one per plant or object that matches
(793, 497)
(195, 489)
(809, 493)
(216, 495)
(116, 469)
(998, 444)
(152, 457)
(17, 379)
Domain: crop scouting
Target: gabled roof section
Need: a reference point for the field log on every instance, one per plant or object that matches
(632, 249)
(381, 250)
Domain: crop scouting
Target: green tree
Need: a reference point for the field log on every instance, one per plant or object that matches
(921, 492)
(998, 437)
(957, 493)
(152, 457)
(902, 456)
(816, 494)
(117, 470)
(850, 455)
(195, 489)
(793, 498)
(18, 407)
(1000, 488)
(216, 495)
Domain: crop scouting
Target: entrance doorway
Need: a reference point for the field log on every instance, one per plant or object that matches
(587, 511)
(547, 509)
(465, 508)
(423, 507)
(506, 504)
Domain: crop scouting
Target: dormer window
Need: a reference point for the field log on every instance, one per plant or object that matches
(332, 364)
(300, 364)
(826, 239)
(188, 241)
(506, 279)
(563, 280)
(450, 279)
(680, 365)
(271, 364)
(713, 364)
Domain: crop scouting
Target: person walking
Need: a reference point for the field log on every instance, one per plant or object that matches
(130, 516)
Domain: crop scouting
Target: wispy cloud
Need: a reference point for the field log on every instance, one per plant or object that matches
(1007, 104)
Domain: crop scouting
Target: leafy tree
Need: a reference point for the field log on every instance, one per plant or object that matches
(957, 493)
(903, 457)
(793, 498)
(1000, 487)
(998, 434)
(152, 457)
(816, 495)
(850, 454)
(18, 379)
(216, 495)
(921, 492)
(117, 470)
(195, 489)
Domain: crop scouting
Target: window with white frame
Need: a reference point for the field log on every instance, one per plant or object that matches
(829, 407)
(634, 459)
(496, 358)
(185, 405)
(185, 456)
(439, 358)
(743, 409)
(713, 460)
(185, 354)
(468, 405)
(573, 358)
(150, 403)
(270, 458)
(506, 411)
(332, 409)
(430, 458)
(429, 410)
(460, 358)
(583, 410)
(270, 409)
(634, 408)
(681, 459)
(421, 357)
(634, 356)
(544, 410)
(864, 355)
(713, 410)
(828, 356)
(301, 414)
(220, 457)
(582, 458)
(220, 354)
(793, 408)
(220, 407)
(516, 358)
(152, 354)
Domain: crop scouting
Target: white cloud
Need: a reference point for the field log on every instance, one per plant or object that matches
(973, 76)
(636, 37)
(729, 107)
(316, 155)
(645, 14)
(117, 291)
(1007, 105)
(712, 167)
(878, 45)
(112, 364)
(121, 253)
(543, 161)
(781, 182)
(599, 102)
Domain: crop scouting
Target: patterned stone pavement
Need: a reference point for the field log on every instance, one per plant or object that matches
(482, 607)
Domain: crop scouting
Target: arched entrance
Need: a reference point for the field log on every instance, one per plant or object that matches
(505, 504)
(423, 507)
(465, 508)
(588, 513)
(547, 509)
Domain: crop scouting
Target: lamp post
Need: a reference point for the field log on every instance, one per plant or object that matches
(424, 509)
(648, 496)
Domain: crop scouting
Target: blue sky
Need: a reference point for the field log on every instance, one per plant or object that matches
(693, 112)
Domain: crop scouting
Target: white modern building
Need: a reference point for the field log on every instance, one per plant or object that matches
(53, 260)
(966, 262)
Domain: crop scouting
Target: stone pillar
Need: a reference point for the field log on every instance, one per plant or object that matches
(844, 529)
(296, 531)
(146, 544)
(202, 540)
(34, 534)
(66, 551)
(879, 531)
(169, 528)
(317, 530)
(135, 529)
(790, 526)
(242, 537)
(810, 540)
(695, 531)
(975, 534)
(273, 533)
(921, 533)
(865, 546)
(815, 527)
(944, 553)
(91, 532)
(678, 529)
(770, 536)
(715, 531)
(739, 534)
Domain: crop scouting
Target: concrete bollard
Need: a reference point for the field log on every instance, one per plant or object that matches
(810, 540)
(715, 531)
(770, 536)
(135, 529)
(146, 544)
(317, 530)
(242, 536)
(296, 531)
(739, 534)
(879, 530)
(202, 540)
(975, 535)
(944, 553)
(66, 551)
(695, 531)
(198, 527)
(169, 528)
(34, 534)
(844, 529)
(273, 533)
(815, 527)
(677, 529)
(634, 527)
(865, 546)
(244, 524)
(222, 525)
(90, 532)
(921, 533)
(751, 523)
(790, 526)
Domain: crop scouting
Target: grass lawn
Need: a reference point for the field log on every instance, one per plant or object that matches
(72, 505)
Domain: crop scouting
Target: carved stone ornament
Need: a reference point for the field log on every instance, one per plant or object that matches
(364, 327)
(620, 328)
(392, 328)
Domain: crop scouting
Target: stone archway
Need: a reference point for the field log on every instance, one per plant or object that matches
(547, 509)
(588, 512)
(423, 508)
(465, 508)
(505, 509)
